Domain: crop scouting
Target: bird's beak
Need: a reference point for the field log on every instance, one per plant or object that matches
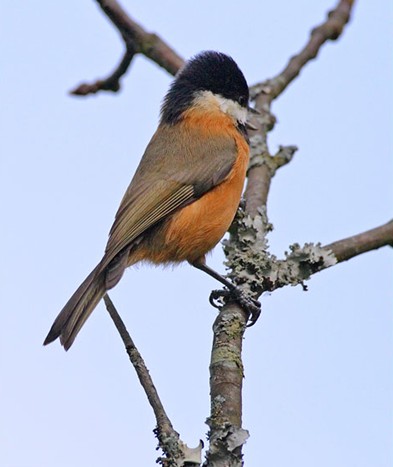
(250, 126)
(253, 111)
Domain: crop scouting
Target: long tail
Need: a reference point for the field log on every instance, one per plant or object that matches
(78, 308)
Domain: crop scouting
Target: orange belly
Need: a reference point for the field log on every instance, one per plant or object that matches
(195, 229)
(198, 227)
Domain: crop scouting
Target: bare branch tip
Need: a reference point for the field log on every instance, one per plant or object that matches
(85, 89)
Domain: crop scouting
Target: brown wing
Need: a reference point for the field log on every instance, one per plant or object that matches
(178, 166)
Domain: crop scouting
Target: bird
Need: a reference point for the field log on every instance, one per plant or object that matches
(186, 190)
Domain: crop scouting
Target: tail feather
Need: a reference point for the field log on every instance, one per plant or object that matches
(78, 308)
(116, 268)
(70, 332)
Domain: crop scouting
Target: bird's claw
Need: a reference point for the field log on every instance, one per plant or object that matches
(218, 298)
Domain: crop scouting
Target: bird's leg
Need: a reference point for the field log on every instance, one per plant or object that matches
(253, 307)
(201, 264)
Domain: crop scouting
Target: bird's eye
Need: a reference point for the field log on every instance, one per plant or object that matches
(242, 101)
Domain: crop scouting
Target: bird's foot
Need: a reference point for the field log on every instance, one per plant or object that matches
(218, 298)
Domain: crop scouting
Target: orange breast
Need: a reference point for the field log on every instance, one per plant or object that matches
(195, 229)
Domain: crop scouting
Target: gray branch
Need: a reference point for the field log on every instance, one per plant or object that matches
(176, 452)
(136, 41)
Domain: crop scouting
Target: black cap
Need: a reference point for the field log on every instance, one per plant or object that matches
(207, 71)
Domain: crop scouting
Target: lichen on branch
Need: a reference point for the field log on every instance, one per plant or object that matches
(256, 270)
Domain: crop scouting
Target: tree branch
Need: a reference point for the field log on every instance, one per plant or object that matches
(256, 270)
(174, 449)
(111, 83)
(226, 434)
(264, 93)
(251, 266)
(373, 239)
(137, 41)
(263, 165)
(331, 29)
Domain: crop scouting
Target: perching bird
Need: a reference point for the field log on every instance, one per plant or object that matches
(185, 191)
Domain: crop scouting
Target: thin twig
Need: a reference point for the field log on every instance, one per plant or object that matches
(265, 92)
(303, 262)
(370, 240)
(168, 438)
(330, 30)
(111, 83)
(137, 41)
(146, 43)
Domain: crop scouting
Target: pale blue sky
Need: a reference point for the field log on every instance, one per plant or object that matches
(318, 388)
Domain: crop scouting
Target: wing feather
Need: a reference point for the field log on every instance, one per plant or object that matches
(159, 188)
(128, 228)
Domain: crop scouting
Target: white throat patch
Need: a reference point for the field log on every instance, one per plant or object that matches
(232, 108)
